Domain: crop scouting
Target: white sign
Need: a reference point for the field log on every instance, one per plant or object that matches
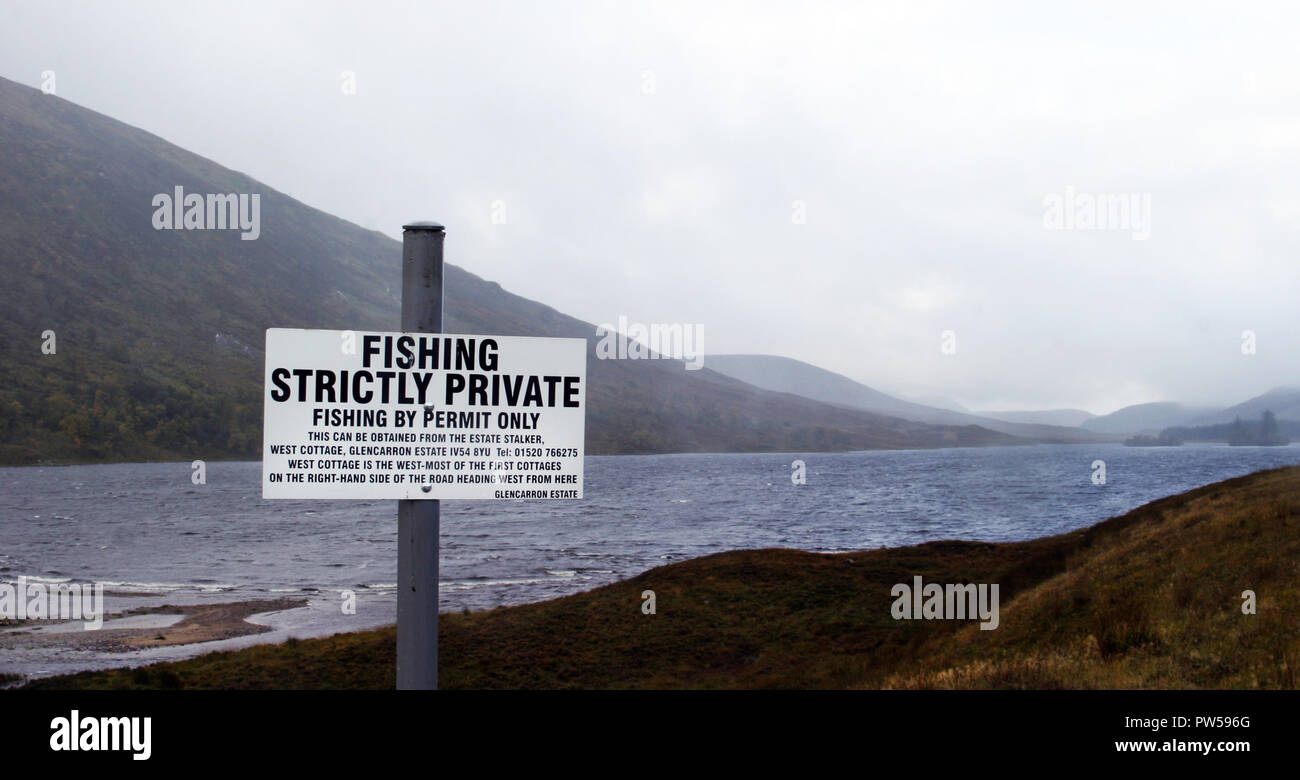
(353, 414)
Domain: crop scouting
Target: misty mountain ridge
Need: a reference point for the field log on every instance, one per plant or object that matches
(788, 375)
(159, 333)
(1069, 418)
(1282, 401)
(1144, 418)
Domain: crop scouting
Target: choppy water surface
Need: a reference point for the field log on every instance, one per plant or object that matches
(146, 527)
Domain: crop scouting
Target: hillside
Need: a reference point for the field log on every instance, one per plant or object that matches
(1144, 418)
(159, 333)
(1151, 599)
(1284, 402)
(786, 375)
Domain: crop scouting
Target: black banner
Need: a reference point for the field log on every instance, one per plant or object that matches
(995, 729)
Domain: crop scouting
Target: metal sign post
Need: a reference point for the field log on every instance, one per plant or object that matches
(418, 520)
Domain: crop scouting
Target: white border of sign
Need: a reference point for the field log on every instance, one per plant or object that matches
(496, 417)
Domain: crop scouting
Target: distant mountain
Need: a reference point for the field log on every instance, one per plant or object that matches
(1144, 418)
(158, 334)
(788, 375)
(938, 402)
(1284, 402)
(1071, 418)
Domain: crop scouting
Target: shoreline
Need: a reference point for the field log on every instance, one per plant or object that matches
(198, 623)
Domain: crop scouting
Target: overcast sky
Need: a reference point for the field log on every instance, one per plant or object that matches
(835, 183)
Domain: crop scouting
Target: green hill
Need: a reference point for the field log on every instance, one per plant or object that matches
(1151, 599)
(159, 333)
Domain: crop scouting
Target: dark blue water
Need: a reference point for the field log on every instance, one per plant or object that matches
(145, 526)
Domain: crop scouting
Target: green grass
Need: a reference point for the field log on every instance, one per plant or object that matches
(1147, 600)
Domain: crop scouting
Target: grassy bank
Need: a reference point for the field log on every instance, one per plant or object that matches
(1151, 599)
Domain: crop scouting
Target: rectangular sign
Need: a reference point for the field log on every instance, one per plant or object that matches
(354, 414)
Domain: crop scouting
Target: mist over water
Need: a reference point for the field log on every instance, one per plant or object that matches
(146, 527)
